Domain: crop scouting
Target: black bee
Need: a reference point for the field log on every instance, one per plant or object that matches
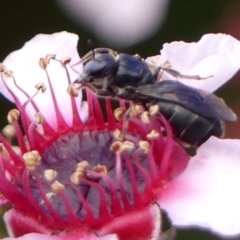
(194, 115)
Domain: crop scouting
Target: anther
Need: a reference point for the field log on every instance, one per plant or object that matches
(37, 156)
(100, 169)
(6, 73)
(49, 57)
(153, 110)
(81, 166)
(49, 195)
(76, 177)
(42, 63)
(166, 64)
(119, 113)
(31, 159)
(2, 68)
(65, 61)
(116, 146)
(57, 186)
(153, 134)
(41, 86)
(127, 145)
(145, 117)
(9, 131)
(72, 90)
(144, 145)
(50, 174)
(13, 115)
(117, 134)
(135, 110)
(39, 118)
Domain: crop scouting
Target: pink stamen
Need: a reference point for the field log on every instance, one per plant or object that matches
(119, 176)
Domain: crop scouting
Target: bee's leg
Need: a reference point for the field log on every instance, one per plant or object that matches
(177, 74)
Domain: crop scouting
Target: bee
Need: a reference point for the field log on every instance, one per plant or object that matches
(193, 114)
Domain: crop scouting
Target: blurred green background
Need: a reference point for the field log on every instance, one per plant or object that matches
(186, 20)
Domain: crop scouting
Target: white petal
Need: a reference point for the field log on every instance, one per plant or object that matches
(216, 55)
(121, 23)
(207, 193)
(26, 70)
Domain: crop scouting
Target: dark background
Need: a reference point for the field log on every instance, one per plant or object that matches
(186, 20)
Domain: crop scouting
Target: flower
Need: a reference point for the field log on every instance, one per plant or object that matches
(75, 176)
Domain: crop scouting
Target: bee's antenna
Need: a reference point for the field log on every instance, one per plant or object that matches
(91, 45)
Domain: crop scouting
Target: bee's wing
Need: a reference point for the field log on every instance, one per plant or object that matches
(198, 101)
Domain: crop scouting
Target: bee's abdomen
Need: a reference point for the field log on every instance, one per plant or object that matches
(190, 127)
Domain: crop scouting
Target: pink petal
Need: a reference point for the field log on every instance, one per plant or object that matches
(26, 70)
(139, 224)
(36, 236)
(214, 54)
(19, 224)
(207, 193)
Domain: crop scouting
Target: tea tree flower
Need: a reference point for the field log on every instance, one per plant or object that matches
(75, 176)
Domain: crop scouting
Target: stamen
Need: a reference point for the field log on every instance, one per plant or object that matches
(31, 159)
(72, 90)
(153, 110)
(153, 134)
(41, 86)
(9, 132)
(13, 115)
(127, 146)
(57, 186)
(65, 61)
(50, 174)
(76, 177)
(135, 110)
(100, 169)
(145, 117)
(116, 146)
(145, 146)
(119, 113)
(42, 63)
(117, 134)
(39, 118)
(81, 166)
(49, 57)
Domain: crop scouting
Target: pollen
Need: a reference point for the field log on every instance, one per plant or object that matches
(154, 110)
(117, 134)
(65, 61)
(145, 117)
(145, 146)
(31, 159)
(81, 166)
(116, 146)
(100, 169)
(9, 131)
(57, 186)
(127, 145)
(76, 177)
(39, 118)
(50, 174)
(13, 115)
(135, 110)
(119, 113)
(153, 134)
(41, 86)
(72, 90)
